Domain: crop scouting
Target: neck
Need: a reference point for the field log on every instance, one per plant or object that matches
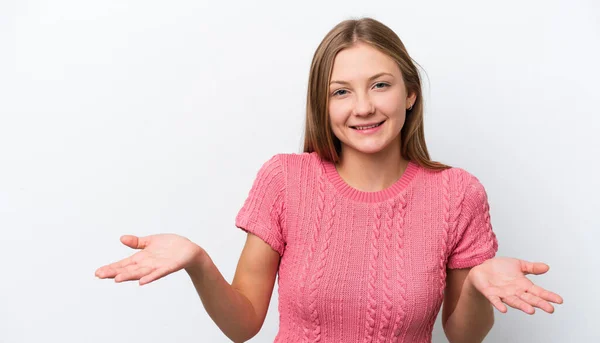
(371, 172)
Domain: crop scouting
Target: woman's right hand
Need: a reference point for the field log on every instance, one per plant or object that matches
(160, 255)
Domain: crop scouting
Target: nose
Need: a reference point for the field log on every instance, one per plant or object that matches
(363, 105)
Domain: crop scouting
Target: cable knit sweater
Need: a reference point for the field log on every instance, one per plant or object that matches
(365, 266)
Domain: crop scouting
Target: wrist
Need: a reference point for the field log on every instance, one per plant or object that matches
(469, 286)
(198, 263)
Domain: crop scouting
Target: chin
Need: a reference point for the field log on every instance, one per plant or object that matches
(369, 149)
(373, 147)
(369, 146)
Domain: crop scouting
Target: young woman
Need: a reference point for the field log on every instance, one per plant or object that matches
(367, 234)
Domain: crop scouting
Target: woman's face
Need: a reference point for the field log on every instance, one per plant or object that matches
(367, 99)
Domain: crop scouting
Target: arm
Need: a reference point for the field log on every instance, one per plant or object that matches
(239, 309)
(467, 316)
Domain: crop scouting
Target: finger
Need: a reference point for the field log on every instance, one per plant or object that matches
(133, 274)
(515, 302)
(536, 301)
(535, 268)
(497, 303)
(154, 275)
(134, 242)
(125, 271)
(105, 272)
(110, 269)
(545, 294)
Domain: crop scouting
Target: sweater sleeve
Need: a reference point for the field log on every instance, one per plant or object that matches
(262, 212)
(475, 241)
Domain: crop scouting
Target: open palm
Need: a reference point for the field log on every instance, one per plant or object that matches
(502, 281)
(159, 256)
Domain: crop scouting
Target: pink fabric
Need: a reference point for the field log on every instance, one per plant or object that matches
(365, 266)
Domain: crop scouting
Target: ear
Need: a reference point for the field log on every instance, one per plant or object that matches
(411, 99)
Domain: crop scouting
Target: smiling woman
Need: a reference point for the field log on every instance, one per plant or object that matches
(367, 234)
(367, 112)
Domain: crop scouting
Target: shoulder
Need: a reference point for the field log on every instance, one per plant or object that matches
(298, 163)
(291, 166)
(298, 158)
(468, 183)
(456, 179)
(460, 189)
(469, 193)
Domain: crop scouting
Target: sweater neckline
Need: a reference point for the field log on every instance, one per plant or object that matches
(364, 196)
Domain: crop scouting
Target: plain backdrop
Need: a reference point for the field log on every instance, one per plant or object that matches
(145, 117)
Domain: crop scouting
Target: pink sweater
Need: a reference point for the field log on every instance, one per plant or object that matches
(365, 266)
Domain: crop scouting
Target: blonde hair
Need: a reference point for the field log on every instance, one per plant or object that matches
(318, 136)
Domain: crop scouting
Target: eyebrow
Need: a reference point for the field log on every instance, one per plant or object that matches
(370, 79)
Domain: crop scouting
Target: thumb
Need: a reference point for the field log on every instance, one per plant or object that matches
(134, 242)
(535, 268)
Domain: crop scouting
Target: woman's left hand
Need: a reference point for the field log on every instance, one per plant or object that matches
(502, 281)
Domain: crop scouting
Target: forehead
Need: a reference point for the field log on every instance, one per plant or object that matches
(362, 61)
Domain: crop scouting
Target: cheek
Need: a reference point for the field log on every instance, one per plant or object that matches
(337, 114)
(391, 105)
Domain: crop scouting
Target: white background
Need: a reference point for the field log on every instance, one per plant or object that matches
(145, 117)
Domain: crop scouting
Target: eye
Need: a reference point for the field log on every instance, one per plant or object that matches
(339, 92)
(381, 85)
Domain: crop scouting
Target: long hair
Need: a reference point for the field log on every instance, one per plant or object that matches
(318, 135)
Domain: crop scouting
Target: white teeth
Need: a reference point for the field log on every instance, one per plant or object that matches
(366, 127)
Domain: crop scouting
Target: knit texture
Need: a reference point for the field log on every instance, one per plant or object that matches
(365, 266)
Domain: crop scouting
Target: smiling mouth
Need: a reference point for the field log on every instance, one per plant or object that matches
(367, 127)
